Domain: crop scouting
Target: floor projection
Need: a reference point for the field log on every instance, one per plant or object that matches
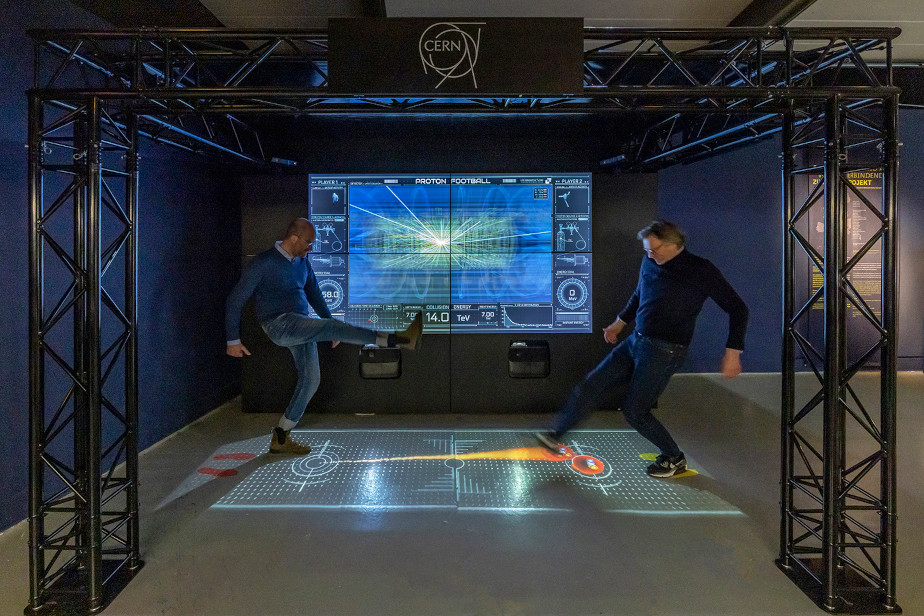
(486, 470)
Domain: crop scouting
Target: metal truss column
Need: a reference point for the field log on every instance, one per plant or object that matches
(83, 498)
(788, 345)
(131, 347)
(36, 357)
(889, 351)
(834, 238)
(93, 371)
(837, 530)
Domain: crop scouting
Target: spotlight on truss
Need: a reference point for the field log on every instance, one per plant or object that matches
(614, 160)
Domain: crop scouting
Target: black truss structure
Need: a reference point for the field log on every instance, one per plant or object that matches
(838, 497)
(83, 356)
(829, 91)
(714, 87)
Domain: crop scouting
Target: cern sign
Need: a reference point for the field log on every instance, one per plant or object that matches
(450, 50)
(420, 56)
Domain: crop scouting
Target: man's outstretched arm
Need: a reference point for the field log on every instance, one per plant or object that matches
(234, 307)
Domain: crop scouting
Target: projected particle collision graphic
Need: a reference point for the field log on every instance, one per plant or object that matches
(476, 253)
(491, 470)
(572, 199)
(328, 201)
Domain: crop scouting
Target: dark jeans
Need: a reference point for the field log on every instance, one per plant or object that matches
(300, 333)
(644, 365)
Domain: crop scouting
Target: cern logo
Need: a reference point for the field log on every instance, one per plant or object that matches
(451, 51)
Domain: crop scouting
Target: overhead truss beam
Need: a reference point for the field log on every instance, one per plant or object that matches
(744, 76)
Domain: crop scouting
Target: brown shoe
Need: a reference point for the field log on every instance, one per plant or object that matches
(410, 338)
(283, 443)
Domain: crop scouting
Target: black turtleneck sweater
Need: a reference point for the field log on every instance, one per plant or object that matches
(669, 297)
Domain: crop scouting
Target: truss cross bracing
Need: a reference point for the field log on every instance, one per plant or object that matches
(96, 94)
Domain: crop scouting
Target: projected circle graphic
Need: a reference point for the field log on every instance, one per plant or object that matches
(312, 469)
(332, 293)
(594, 471)
(587, 465)
(572, 293)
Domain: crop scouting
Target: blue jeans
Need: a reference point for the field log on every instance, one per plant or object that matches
(300, 333)
(644, 365)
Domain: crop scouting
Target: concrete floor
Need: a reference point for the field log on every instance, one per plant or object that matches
(581, 559)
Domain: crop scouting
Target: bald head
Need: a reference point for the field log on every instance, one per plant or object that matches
(301, 227)
(299, 237)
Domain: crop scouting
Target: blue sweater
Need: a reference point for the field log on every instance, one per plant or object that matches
(280, 286)
(669, 297)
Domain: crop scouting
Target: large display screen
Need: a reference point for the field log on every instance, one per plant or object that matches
(475, 252)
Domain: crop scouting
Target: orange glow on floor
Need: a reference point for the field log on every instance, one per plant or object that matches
(520, 453)
(587, 465)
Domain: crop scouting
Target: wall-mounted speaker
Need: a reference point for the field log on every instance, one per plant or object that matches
(528, 359)
(379, 363)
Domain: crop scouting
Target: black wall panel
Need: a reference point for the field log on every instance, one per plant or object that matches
(461, 373)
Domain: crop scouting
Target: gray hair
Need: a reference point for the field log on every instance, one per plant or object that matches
(667, 232)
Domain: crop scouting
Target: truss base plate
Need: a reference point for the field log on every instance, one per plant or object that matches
(68, 595)
(857, 597)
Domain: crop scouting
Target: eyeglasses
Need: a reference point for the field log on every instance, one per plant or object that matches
(653, 249)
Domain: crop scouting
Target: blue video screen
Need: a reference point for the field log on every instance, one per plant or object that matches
(475, 252)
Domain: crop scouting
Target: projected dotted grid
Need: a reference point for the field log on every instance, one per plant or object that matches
(469, 470)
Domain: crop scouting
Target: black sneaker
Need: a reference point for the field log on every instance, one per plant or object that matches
(550, 442)
(666, 466)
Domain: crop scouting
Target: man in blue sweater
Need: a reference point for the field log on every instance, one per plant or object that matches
(672, 287)
(285, 286)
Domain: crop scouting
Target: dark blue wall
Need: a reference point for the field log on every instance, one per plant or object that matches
(731, 208)
(911, 241)
(190, 230)
(189, 235)
(16, 51)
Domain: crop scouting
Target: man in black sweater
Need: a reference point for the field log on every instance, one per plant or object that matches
(672, 287)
